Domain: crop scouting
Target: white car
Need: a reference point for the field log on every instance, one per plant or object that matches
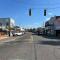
(17, 34)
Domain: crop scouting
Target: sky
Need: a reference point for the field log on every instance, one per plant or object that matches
(19, 11)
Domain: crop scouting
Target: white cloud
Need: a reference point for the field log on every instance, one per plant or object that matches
(50, 13)
(34, 25)
(48, 18)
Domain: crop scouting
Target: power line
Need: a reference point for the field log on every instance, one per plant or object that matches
(44, 7)
(40, 8)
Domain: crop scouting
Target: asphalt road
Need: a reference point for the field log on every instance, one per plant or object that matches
(31, 47)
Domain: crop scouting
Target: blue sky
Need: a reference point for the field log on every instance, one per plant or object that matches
(18, 10)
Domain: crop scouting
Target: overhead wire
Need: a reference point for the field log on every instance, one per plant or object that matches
(50, 5)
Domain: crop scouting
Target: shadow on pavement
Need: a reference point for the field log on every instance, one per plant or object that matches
(48, 37)
(36, 34)
(55, 43)
(51, 37)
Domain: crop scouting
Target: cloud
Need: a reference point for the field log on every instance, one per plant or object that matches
(34, 25)
(47, 19)
(50, 13)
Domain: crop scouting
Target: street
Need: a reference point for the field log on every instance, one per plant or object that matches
(31, 47)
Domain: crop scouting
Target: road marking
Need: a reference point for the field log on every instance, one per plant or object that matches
(15, 59)
(31, 39)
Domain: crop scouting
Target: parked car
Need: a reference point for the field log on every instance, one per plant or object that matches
(17, 34)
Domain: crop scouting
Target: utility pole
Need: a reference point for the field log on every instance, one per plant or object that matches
(9, 27)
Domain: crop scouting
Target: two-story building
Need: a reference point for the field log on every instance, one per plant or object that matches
(52, 26)
(6, 25)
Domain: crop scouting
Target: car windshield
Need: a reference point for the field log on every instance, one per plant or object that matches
(29, 29)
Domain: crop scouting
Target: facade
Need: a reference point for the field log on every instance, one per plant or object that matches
(18, 29)
(52, 26)
(5, 24)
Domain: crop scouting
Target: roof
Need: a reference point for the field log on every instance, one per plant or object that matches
(57, 17)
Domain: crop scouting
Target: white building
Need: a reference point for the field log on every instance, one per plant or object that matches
(6, 22)
(22, 29)
(6, 26)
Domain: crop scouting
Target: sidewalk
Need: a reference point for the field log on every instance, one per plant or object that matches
(4, 39)
(9, 39)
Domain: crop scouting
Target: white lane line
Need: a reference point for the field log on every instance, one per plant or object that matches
(31, 38)
(15, 59)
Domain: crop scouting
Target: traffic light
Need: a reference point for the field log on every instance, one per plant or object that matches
(45, 12)
(30, 12)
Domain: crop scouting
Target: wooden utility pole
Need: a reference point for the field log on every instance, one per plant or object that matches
(9, 27)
